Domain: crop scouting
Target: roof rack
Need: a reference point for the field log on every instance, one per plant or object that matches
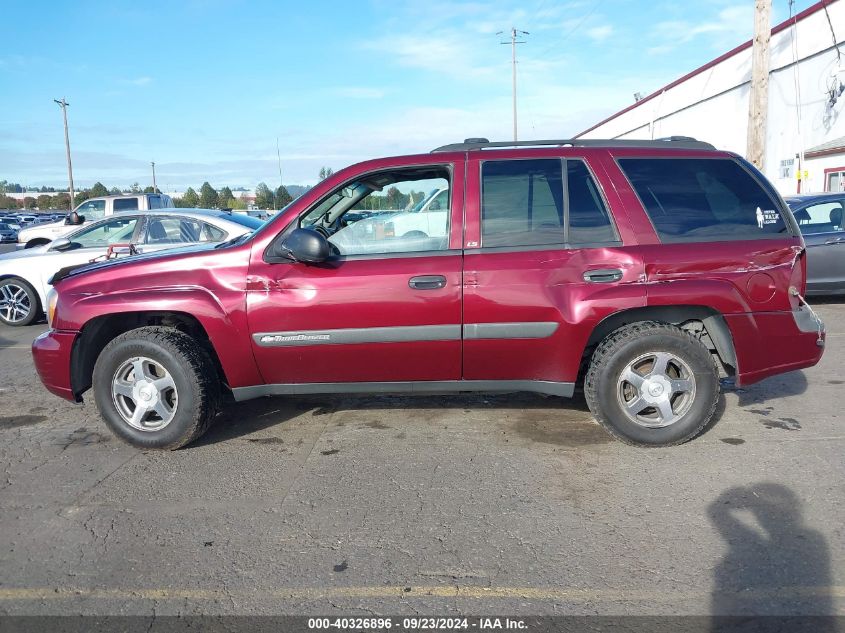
(679, 142)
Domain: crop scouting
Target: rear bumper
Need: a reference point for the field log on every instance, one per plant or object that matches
(771, 343)
(51, 353)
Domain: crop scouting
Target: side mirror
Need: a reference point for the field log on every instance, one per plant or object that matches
(60, 244)
(307, 246)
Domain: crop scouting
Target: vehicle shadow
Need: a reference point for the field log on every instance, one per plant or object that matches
(240, 419)
(775, 563)
(793, 383)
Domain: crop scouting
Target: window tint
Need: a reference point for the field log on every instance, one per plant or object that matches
(703, 199)
(588, 217)
(116, 231)
(125, 204)
(521, 202)
(154, 202)
(824, 217)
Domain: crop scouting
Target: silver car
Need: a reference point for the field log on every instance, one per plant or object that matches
(820, 218)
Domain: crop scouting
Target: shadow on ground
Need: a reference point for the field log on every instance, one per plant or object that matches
(775, 563)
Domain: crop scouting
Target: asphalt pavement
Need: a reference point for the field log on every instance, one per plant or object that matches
(512, 503)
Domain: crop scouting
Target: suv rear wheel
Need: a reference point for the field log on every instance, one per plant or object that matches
(652, 384)
(156, 388)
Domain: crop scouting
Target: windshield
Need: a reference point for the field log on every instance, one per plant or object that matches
(5, 227)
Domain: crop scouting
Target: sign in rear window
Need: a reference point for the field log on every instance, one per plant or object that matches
(703, 199)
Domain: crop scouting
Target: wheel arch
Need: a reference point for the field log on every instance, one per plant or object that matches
(704, 322)
(97, 333)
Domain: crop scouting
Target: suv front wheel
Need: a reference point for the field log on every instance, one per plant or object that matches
(156, 388)
(652, 384)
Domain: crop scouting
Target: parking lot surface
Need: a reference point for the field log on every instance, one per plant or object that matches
(507, 503)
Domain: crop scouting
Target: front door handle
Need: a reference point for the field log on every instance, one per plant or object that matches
(603, 275)
(427, 282)
(838, 240)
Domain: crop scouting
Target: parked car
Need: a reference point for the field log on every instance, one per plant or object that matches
(92, 210)
(8, 233)
(642, 270)
(24, 274)
(820, 218)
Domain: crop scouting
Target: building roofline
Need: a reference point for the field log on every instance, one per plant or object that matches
(776, 29)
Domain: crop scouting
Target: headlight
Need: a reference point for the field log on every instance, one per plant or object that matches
(52, 299)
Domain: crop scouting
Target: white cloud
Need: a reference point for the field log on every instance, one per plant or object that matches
(600, 33)
(731, 26)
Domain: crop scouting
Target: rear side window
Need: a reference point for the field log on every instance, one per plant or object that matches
(824, 217)
(125, 204)
(529, 203)
(703, 199)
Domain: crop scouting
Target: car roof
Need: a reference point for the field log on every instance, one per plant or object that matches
(804, 198)
(195, 213)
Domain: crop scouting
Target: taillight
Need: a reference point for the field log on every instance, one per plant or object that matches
(798, 278)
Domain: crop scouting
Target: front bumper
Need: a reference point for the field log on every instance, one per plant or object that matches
(771, 343)
(51, 353)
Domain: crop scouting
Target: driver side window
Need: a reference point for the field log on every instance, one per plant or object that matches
(395, 211)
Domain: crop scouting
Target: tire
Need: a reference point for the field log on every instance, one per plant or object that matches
(189, 394)
(19, 303)
(36, 242)
(634, 355)
(414, 235)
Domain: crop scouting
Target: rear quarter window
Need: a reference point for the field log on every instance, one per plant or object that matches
(703, 199)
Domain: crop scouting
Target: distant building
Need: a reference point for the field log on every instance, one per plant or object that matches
(806, 84)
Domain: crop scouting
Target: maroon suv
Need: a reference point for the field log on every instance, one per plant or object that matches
(644, 270)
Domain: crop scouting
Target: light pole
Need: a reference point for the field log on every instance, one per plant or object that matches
(63, 105)
(155, 189)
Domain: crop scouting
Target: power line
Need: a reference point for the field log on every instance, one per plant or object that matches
(513, 42)
(832, 32)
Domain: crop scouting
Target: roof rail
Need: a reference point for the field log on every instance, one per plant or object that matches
(679, 142)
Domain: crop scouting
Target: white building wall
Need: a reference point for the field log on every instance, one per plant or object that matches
(712, 105)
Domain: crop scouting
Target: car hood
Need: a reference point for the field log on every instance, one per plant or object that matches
(79, 269)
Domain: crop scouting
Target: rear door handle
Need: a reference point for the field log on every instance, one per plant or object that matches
(603, 275)
(427, 282)
(838, 240)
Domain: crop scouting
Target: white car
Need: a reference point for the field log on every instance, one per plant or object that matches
(90, 211)
(24, 274)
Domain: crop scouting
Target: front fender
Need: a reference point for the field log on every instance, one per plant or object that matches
(222, 317)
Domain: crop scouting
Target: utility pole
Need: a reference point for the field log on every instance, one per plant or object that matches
(63, 105)
(513, 42)
(155, 189)
(279, 158)
(758, 99)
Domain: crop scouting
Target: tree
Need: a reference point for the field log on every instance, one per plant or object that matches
(150, 189)
(7, 203)
(237, 203)
(98, 190)
(61, 201)
(115, 191)
(263, 196)
(208, 196)
(191, 199)
(135, 188)
(44, 201)
(81, 197)
(29, 203)
(225, 198)
(283, 198)
(325, 172)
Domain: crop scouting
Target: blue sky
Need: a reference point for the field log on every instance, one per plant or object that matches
(204, 87)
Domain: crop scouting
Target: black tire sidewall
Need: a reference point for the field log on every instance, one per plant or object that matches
(34, 301)
(706, 388)
(184, 424)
